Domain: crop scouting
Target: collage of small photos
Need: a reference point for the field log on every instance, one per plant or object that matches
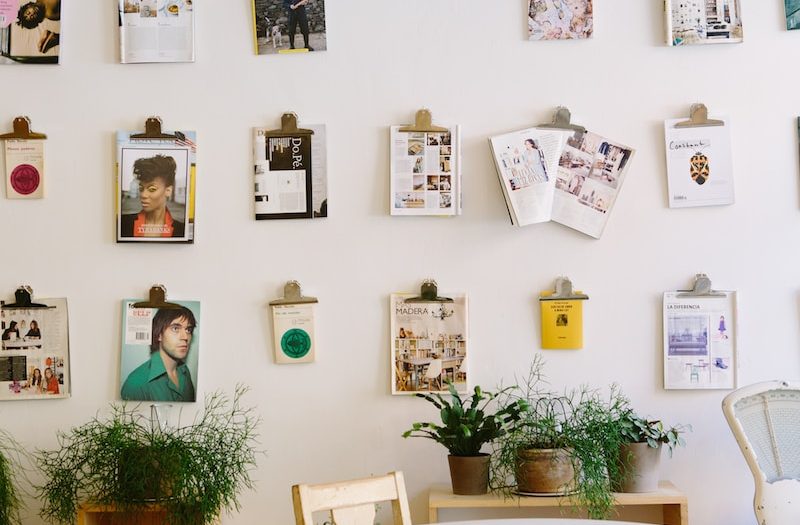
(425, 175)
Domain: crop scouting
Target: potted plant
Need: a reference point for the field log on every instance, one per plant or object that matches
(562, 443)
(467, 425)
(640, 452)
(132, 462)
(11, 470)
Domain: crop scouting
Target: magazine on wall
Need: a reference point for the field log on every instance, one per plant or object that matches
(700, 341)
(288, 27)
(24, 168)
(699, 164)
(792, 14)
(560, 19)
(156, 187)
(291, 175)
(590, 173)
(30, 31)
(156, 31)
(428, 344)
(691, 22)
(526, 163)
(425, 172)
(34, 357)
(160, 352)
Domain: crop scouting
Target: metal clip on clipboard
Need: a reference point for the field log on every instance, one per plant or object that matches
(22, 131)
(293, 294)
(561, 120)
(289, 127)
(22, 299)
(564, 292)
(702, 288)
(152, 130)
(423, 123)
(429, 293)
(698, 118)
(158, 295)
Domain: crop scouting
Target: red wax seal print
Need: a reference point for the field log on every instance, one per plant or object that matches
(25, 179)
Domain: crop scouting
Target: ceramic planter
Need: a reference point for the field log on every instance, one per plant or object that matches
(545, 471)
(469, 474)
(641, 463)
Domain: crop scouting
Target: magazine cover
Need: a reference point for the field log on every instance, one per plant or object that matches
(290, 173)
(30, 31)
(591, 171)
(526, 162)
(156, 31)
(289, 26)
(24, 169)
(560, 19)
(34, 359)
(156, 186)
(160, 350)
(699, 341)
(425, 172)
(293, 329)
(792, 14)
(428, 344)
(699, 165)
(703, 22)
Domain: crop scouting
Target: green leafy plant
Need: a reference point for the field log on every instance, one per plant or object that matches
(467, 424)
(130, 461)
(636, 429)
(12, 472)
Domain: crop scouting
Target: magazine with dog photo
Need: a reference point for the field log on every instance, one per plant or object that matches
(560, 19)
(30, 31)
(526, 163)
(425, 172)
(156, 31)
(288, 27)
(590, 173)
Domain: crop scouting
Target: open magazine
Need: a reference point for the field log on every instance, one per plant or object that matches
(30, 32)
(156, 31)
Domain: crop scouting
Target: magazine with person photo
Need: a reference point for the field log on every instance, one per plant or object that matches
(289, 26)
(590, 173)
(691, 22)
(699, 164)
(151, 31)
(560, 19)
(34, 356)
(160, 352)
(30, 31)
(155, 181)
(792, 14)
(425, 172)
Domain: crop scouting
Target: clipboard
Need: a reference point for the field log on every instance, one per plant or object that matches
(562, 120)
(157, 300)
(22, 131)
(562, 316)
(423, 123)
(428, 293)
(698, 118)
(293, 325)
(701, 288)
(22, 299)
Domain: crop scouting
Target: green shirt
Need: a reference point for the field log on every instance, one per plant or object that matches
(150, 382)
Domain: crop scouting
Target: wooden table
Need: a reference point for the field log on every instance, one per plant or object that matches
(671, 500)
(108, 515)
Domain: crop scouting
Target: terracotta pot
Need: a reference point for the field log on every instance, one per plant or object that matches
(469, 474)
(545, 471)
(641, 464)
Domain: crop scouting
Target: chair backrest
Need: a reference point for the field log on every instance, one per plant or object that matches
(765, 419)
(462, 368)
(352, 502)
(434, 369)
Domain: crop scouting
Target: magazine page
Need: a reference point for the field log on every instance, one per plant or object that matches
(428, 344)
(691, 22)
(30, 32)
(34, 359)
(560, 19)
(699, 165)
(160, 352)
(156, 31)
(792, 14)
(289, 27)
(290, 173)
(293, 330)
(425, 172)
(156, 187)
(591, 171)
(24, 169)
(526, 163)
(700, 341)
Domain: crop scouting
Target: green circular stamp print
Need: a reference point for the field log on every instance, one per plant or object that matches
(295, 343)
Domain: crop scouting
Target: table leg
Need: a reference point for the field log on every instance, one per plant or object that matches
(676, 514)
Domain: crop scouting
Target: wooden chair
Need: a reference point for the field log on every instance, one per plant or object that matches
(403, 378)
(352, 502)
(433, 374)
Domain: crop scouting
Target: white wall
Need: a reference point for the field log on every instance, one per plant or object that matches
(469, 61)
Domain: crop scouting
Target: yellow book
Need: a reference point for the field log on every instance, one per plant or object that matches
(562, 322)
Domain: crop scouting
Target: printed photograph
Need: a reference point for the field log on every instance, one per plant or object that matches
(160, 350)
(416, 146)
(523, 164)
(688, 335)
(705, 21)
(289, 26)
(559, 19)
(148, 8)
(154, 190)
(32, 33)
(792, 14)
(591, 156)
(433, 183)
(22, 329)
(445, 199)
(409, 200)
